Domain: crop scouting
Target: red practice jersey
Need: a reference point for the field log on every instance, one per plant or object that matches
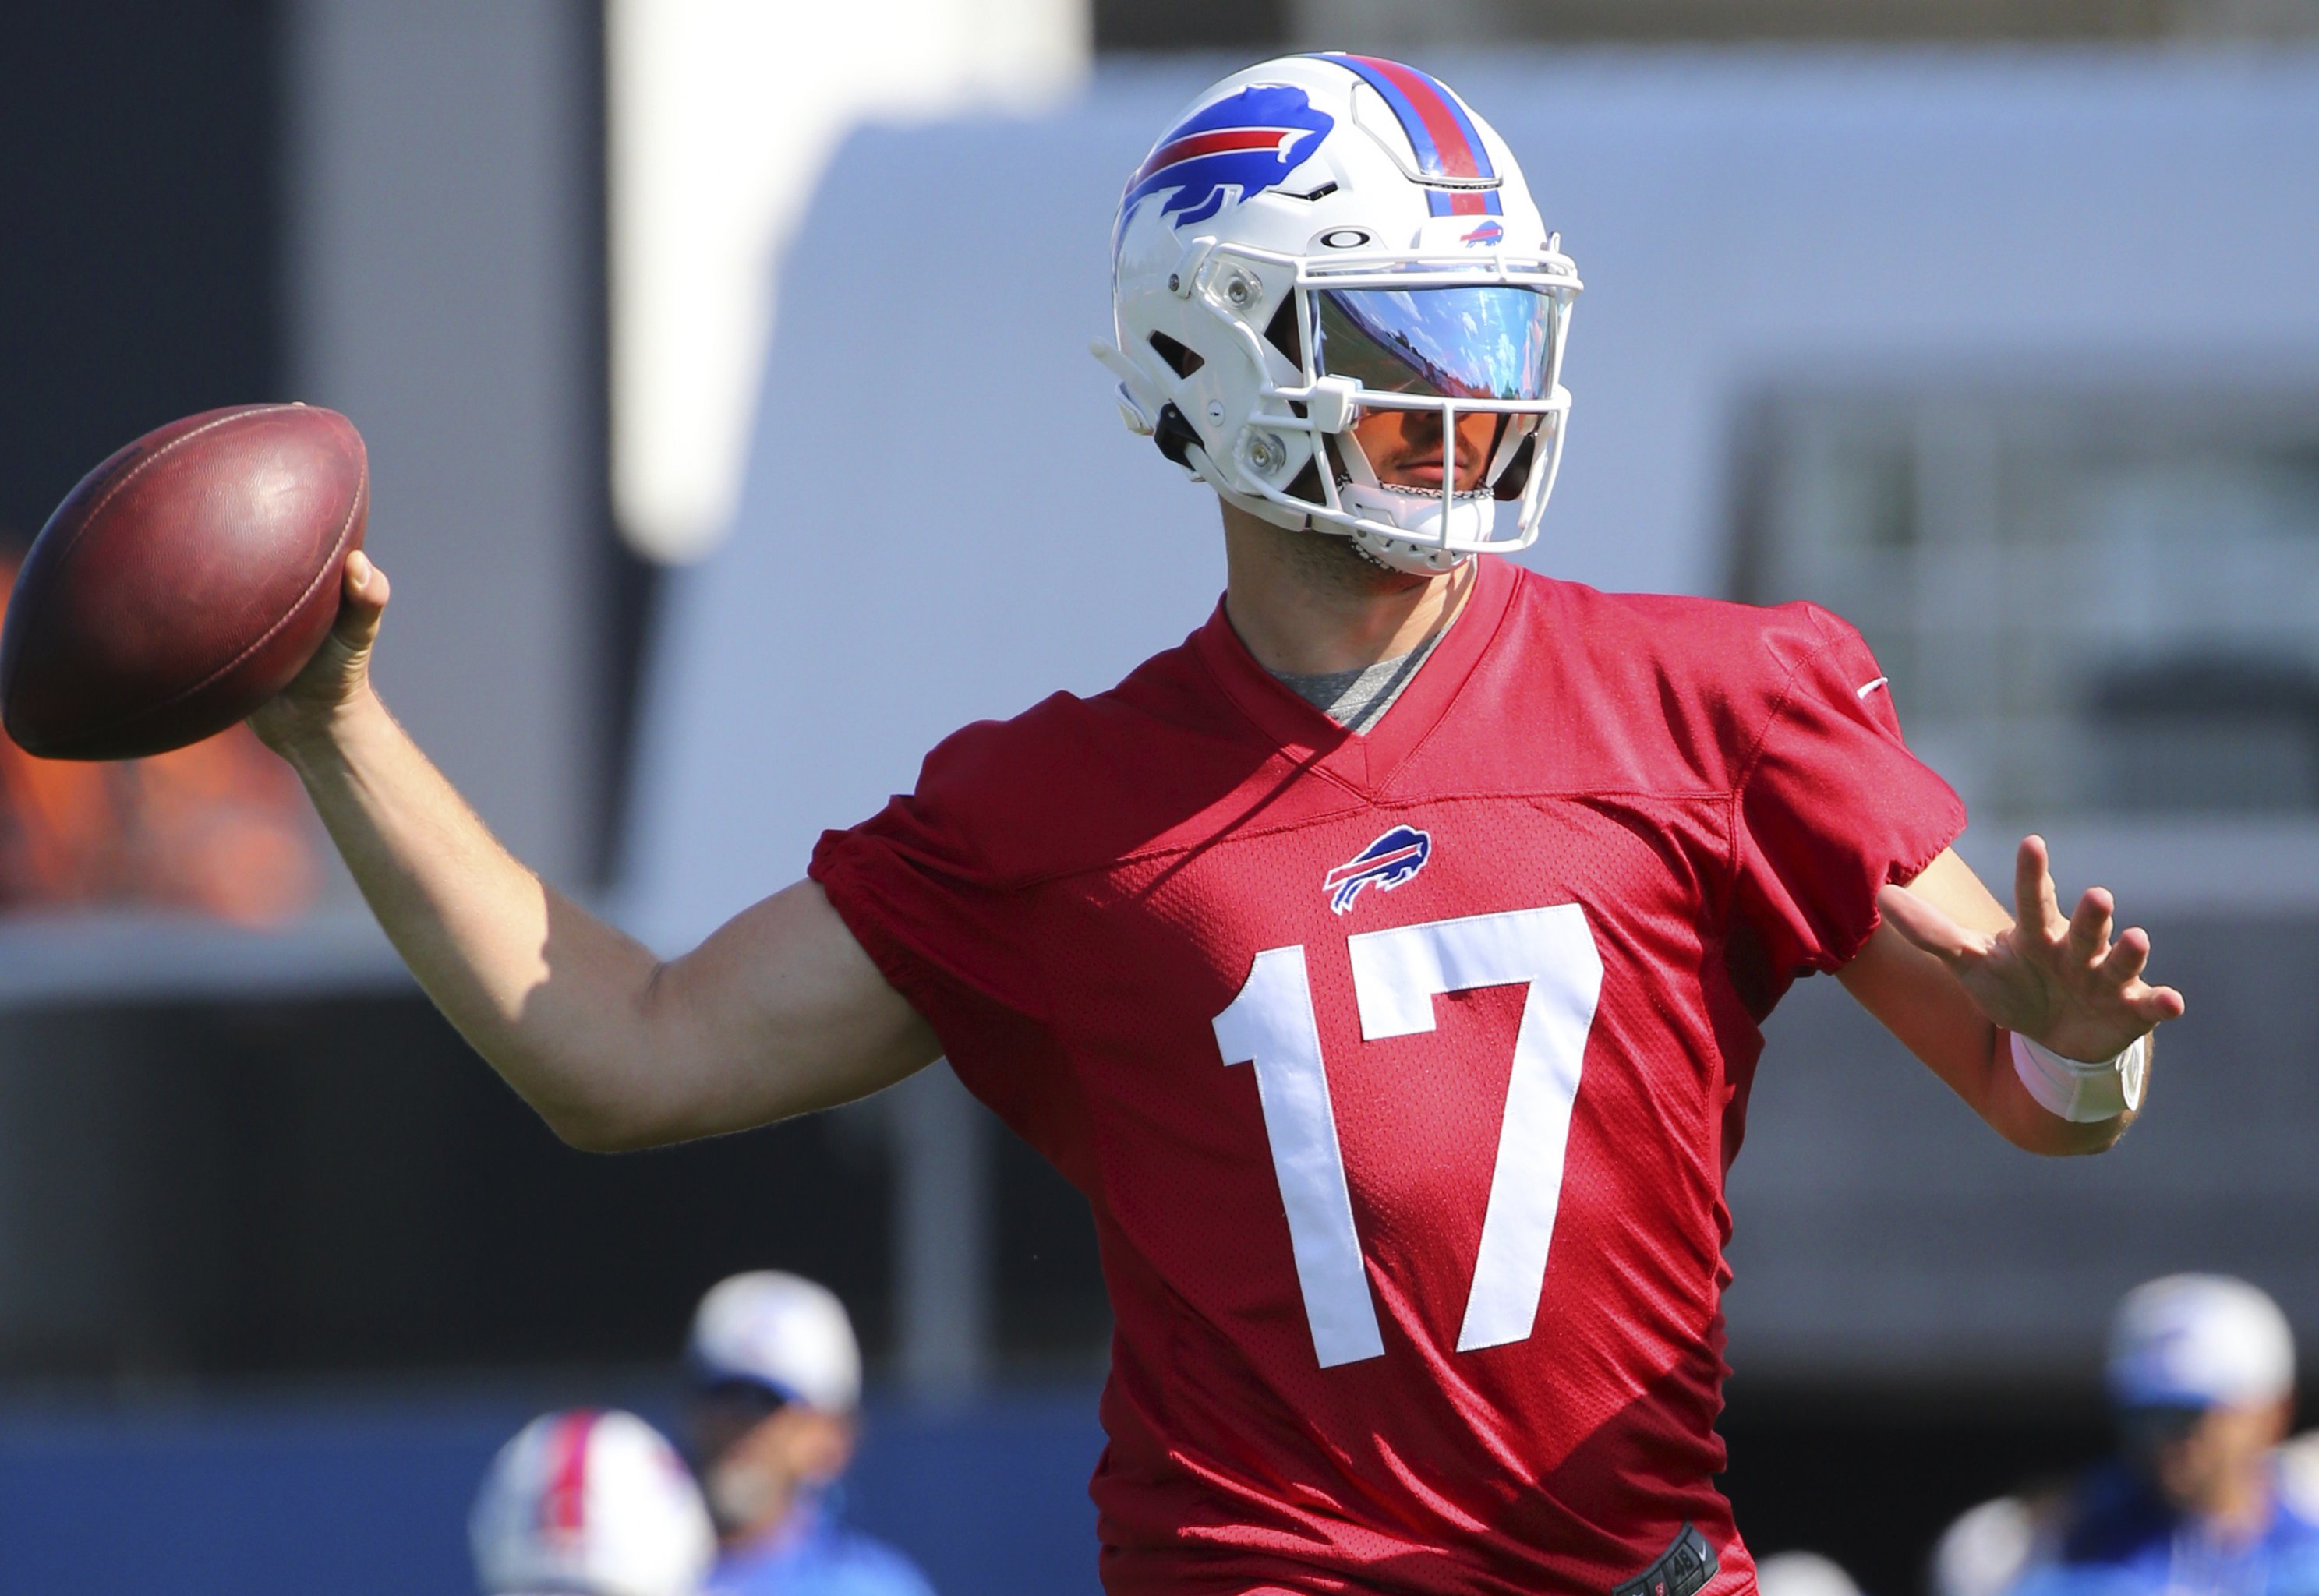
(1402, 1069)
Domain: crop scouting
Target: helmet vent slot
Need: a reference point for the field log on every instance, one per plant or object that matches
(1180, 360)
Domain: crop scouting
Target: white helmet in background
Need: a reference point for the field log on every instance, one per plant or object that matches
(781, 1332)
(1988, 1549)
(596, 1503)
(2200, 1341)
(1803, 1574)
(1324, 235)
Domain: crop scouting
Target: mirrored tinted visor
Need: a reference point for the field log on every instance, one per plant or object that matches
(1489, 342)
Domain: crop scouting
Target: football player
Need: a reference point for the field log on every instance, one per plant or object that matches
(2200, 1496)
(1386, 963)
(776, 1377)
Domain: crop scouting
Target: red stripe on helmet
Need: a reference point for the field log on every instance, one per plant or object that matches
(1441, 123)
(565, 1505)
(1215, 143)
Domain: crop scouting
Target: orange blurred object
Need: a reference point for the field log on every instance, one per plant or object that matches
(219, 828)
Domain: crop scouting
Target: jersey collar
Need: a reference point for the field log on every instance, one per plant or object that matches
(1363, 762)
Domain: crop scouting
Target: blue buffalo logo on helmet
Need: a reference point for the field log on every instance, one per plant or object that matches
(1225, 153)
(1393, 859)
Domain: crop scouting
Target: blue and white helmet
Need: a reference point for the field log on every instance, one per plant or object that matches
(1325, 235)
(590, 1503)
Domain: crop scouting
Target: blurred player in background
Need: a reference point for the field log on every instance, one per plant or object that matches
(777, 1379)
(2201, 1376)
(1803, 1574)
(1386, 963)
(590, 1503)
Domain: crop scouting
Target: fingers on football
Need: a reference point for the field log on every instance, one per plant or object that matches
(363, 595)
(365, 583)
(2038, 911)
(1928, 928)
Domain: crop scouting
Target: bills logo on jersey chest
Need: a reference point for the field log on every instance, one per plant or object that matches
(1388, 862)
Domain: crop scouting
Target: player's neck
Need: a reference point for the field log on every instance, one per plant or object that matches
(779, 1524)
(1307, 602)
(2239, 1508)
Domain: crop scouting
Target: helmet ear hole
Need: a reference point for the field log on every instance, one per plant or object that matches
(1181, 360)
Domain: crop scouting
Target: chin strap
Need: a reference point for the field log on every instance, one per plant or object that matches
(1419, 513)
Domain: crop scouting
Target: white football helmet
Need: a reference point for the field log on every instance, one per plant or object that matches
(781, 1332)
(597, 1503)
(1318, 236)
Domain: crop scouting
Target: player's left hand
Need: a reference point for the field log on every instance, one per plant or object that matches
(2061, 982)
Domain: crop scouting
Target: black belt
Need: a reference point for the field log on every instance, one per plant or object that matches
(1681, 1570)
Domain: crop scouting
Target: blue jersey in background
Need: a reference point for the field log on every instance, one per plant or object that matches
(2120, 1539)
(815, 1555)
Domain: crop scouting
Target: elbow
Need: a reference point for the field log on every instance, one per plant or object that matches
(600, 1133)
(609, 1127)
(611, 1105)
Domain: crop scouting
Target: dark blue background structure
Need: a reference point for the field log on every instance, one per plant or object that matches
(370, 1497)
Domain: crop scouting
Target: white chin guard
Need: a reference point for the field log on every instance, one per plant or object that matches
(1418, 511)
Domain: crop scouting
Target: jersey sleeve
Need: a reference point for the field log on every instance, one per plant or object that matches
(1832, 806)
(915, 885)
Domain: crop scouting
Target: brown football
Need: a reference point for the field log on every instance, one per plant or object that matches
(183, 582)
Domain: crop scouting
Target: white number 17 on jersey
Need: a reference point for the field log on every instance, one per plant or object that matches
(1396, 976)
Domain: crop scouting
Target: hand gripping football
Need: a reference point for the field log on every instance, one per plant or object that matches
(183, 582)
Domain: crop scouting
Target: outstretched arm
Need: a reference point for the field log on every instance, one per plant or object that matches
(1953, 975)
(778, 1013)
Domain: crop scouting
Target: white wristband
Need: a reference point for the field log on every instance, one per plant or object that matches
(2083, 1093)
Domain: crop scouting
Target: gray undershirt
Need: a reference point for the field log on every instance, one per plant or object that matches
(1357, 699)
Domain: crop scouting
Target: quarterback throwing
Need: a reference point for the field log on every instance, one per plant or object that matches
(1386, 963)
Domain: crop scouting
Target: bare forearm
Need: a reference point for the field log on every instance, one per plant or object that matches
(779, 1013)
(550, 995)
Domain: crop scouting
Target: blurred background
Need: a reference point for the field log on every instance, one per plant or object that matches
(723, 367)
